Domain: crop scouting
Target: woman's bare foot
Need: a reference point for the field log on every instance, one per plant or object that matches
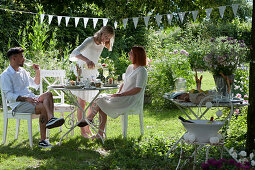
(87, 130)
(95, 137)
(85, 135)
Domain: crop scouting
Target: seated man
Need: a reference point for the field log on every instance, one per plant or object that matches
(15, 83)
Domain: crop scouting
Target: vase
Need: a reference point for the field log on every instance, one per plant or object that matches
(221, 85)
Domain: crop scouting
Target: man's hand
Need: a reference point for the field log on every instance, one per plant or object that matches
(32, 100)
(27, 99)
(36, 67)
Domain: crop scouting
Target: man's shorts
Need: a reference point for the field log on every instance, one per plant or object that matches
(25, 107)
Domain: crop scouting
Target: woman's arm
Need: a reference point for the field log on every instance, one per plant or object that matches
(120, 88)
(128, 93)
(90, 63)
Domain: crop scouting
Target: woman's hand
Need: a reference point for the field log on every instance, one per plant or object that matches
(90, 64)
(117, 95)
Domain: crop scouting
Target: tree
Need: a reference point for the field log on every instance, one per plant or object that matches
(250, 143)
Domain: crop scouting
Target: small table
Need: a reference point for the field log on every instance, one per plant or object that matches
(183, 106)
(73, 99)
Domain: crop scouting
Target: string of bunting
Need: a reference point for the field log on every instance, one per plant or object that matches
(180, 16)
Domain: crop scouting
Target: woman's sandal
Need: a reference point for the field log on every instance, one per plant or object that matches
(83, 123)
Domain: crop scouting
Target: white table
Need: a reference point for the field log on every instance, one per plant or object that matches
(73, 99)
(184, 106)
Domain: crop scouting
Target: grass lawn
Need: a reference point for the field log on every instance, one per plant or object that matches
(162, 128)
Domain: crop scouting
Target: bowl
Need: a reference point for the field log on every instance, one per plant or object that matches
(203, 129)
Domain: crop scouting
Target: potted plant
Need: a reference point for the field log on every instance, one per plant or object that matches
(226, 54)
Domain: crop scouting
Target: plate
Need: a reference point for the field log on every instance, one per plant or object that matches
(110, 85)
(72, 87)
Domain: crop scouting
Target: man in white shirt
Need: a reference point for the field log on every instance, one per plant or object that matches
(15, 83)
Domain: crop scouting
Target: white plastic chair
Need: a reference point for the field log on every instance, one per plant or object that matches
(8, 115)
(54, 77)
(124, 117)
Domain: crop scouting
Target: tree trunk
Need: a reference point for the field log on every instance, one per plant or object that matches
(250, 144)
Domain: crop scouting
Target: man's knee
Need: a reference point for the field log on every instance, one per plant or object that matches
(49, 95)
(39, 108)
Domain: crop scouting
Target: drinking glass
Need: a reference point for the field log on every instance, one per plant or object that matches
(105, 73)
(28, 63)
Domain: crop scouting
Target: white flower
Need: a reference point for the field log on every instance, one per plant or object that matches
(234, 155)
(208, 104)
(252, 163)
(251, 156)
(243, 153)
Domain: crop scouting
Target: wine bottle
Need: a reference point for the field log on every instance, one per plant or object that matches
(184, 120)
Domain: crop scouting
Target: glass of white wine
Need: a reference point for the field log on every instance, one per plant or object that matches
(28, 63)
(105, 73)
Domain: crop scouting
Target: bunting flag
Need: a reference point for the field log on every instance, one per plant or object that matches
(85, 21)
(67, 20)
(42, 17)
(135, 20)
(146, 20)
(235, 8)
(50, 18)
(194, 14)
(59, 20)
(76, 21)
(125, 22)
(105, 21)
(115, 24)
(222, 10)
(158, 19)
(169, 18)
(181, 16)
(208, 12)
(95, 22)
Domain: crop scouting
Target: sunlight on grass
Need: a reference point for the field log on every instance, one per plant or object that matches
(161, 129)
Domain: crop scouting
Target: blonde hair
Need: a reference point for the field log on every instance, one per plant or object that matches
(105, 29)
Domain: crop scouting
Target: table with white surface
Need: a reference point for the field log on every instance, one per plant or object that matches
(73, 99)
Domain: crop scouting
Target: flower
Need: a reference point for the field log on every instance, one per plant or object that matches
(225, 54)
(243, 153)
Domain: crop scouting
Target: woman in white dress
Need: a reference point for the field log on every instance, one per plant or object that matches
(128, 96)
(87, 55)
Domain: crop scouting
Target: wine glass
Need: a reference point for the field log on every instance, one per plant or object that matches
(105, 73)
(28, 63)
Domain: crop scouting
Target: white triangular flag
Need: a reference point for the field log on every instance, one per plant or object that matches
(50, 18)
(194, 14)
(125, 22)
(222, 10)
(146, 20)
(169, 18)
(208, 12)
(85, 20)
(42, 17)
(135, 20)
(234, 8)
(95, 22)
(59, 19)
(115, 24)
(181, 16)
(76, 21)
(158, 19)
(67, 20)
(105, 20)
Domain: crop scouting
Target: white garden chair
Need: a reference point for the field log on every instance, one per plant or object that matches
(7, 114)
(56, 77)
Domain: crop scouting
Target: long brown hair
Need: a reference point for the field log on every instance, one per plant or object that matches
(140, 57)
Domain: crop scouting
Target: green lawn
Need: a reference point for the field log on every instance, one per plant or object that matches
(162, 128)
